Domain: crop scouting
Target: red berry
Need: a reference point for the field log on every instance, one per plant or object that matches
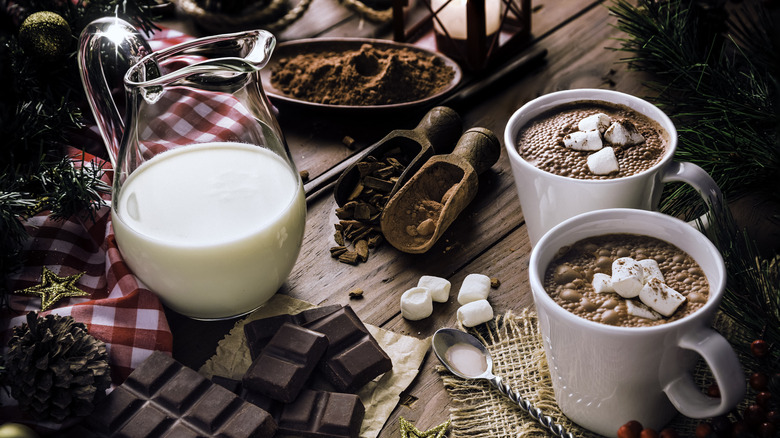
(632, 429)
(773, 417)
(763, 398)
(669, 433)
(739, 429)
(759, 381)
(703, 430)
(648, 433)
(754, 415)
(721, 424)
(713, 390)
(767, 430)
(759, 348)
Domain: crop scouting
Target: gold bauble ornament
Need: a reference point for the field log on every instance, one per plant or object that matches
(16, 430)
(45, 35)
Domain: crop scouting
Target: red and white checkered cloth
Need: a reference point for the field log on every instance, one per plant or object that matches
(120, 310)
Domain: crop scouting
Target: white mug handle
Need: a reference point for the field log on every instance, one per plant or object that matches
(697, 178)
(687, 397)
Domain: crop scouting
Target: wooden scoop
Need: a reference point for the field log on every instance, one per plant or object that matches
(420, 211)
(437, 133)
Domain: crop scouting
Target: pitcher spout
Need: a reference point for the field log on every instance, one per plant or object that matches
(108, 47)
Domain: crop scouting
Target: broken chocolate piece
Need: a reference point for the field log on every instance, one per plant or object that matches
(286, 362)
(260, 331)
(323, 414)
(314, 413)
(354, 357)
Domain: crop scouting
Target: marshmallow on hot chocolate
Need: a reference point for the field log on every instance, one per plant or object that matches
(603, 162)
(475, 312)
(641, 310)
(475, 287)
(583, 140)
(623, 134)
(651, 270)
(416, 303)
(660, 297)
(598, 122)
(627, 277)
(439, 287)
(602, 283)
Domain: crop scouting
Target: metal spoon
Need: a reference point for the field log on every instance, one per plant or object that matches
(466, 357)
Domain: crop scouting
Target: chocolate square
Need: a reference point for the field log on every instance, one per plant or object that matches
(286, 362)
(354, 357)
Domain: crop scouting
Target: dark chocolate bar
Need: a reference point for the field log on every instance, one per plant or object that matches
(322, 414)
(260, 331)
(286, 362)
(354, 357)
(162, 397)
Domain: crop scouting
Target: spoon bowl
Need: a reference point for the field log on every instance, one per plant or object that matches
(468, 358)
(462, 354)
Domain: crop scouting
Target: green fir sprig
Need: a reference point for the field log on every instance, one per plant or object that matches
(42, 106)
(714, 70)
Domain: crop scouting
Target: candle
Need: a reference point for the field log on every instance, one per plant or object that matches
(453, 17)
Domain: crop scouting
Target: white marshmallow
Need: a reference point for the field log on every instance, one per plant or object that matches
(475, 287)
(603, 162)
(660, 297)
(598, 121)
(416, 303)
(475, 312)
(439, 287)
(651, 270)
(642, 311)
(623, 134)
(627, 277)
(602, 283)
(583, 140)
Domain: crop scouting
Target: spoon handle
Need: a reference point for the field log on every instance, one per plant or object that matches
(535, 412)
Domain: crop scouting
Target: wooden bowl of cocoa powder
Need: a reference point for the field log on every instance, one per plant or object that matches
(349, 74)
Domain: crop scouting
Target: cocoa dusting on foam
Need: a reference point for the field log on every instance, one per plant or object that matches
(569, 279)
(541, 141)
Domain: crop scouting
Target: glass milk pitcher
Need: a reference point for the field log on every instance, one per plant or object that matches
(207, 207)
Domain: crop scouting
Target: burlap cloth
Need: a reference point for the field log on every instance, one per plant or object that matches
(515, 343)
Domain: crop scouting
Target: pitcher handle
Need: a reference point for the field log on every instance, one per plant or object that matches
(101, 37)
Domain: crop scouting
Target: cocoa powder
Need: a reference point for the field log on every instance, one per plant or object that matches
(368, 76)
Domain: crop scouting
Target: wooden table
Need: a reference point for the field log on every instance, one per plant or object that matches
(489, 237)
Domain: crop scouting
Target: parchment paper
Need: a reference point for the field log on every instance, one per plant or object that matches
(380, 396)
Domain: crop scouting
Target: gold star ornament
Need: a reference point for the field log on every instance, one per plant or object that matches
(409, 431)
(54, 288)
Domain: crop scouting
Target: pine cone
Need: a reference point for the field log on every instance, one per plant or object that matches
(55, 368)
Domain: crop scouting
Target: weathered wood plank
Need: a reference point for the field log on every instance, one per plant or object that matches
(315, 138)
(583, 66)
(488, 237)
(496, 210)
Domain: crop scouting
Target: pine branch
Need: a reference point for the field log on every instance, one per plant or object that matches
(40, 106)
(752, 297)
(715, 74)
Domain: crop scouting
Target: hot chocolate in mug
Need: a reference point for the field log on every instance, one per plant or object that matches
(547, 198)
(603, 375)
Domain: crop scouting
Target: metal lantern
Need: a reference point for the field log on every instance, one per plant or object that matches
(473, 32)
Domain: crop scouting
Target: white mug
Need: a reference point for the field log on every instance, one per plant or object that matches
(548, 199)
(604, 376)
